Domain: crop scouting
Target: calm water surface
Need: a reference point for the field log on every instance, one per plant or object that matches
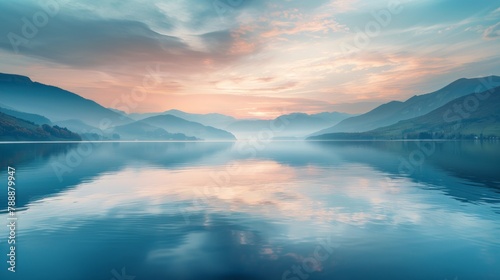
(287, 210)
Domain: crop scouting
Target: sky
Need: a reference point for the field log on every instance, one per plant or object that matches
(249, 58)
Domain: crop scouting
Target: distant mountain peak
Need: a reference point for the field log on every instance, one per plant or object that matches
(54, 103)
(487, 80)
(174, 111)
(418, 105)
(14, 78)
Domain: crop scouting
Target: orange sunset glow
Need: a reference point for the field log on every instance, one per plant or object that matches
(257, 60)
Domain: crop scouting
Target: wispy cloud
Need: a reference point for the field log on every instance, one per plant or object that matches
(492, 32)
(274, 51)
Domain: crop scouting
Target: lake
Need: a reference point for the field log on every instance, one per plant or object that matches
(280, 210)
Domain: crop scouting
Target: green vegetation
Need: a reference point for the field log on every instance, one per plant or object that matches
(15, 129)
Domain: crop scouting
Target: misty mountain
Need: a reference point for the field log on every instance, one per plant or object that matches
(394, 111)
(77, 126)
(467, 117)
(174, 124)
(23, 94)
(286, 126)
(215, 120)
(37, 119)
(15, 129)
(142, 131)
(333, 117)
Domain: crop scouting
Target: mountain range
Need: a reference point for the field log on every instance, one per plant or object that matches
(418, 105)
(214, 120)
(296, 125)
(170, 127)
(31, 110)
(473, 116)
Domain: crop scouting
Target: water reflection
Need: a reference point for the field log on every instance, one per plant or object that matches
(205, 210)
(51, 168)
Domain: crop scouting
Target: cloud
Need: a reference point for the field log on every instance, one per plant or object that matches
(496, 12)
(255, 49)
(475, 28)
(82, 39)
(242, 106)
(492, 32)
(292, 22)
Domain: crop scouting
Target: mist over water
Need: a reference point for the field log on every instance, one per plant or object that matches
(291, 210)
